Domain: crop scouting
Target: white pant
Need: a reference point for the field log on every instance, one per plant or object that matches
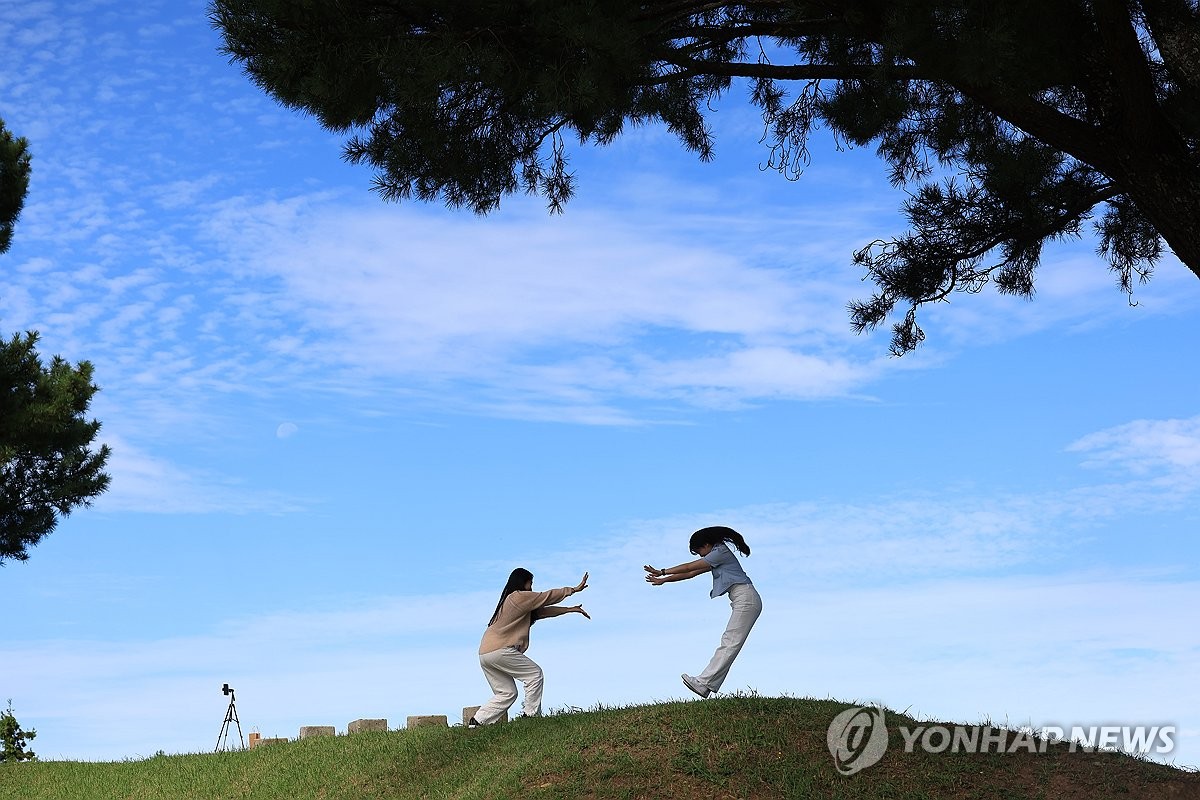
(503, 668)
(746, 606)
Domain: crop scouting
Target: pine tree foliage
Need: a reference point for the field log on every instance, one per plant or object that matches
(14, 182)
(47, 463)
(1007, 125)
(47, 466)
(13, 740)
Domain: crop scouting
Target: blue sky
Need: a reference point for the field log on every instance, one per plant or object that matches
(338, 424)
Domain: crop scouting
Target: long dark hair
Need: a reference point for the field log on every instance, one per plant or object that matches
(715, 535)
(516, 583)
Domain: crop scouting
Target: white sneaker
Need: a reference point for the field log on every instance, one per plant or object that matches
(695, 685)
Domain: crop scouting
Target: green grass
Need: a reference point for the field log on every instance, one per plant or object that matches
(734, 747)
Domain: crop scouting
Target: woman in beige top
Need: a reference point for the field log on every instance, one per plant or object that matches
(502, 651)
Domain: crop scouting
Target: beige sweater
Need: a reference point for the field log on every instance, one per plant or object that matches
(511, 628)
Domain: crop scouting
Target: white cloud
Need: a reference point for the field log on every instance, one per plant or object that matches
(181, 193)
(427, 282)
(142, 482)
(757, 372)
(587, 306)
(1145, 446)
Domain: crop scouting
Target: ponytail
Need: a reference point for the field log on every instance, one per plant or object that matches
(716, 534)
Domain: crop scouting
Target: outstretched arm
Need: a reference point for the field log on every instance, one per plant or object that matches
(531, 601)
(680, 572)
(558, 611)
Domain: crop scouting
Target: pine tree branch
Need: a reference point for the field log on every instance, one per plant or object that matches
(690, 68)
(691, 8)
(1012, 233)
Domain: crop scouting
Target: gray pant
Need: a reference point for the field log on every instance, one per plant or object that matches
(746, 606)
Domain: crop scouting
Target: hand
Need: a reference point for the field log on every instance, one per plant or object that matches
(655, 579)
(582, 585)
(579, 610)
(651, 570)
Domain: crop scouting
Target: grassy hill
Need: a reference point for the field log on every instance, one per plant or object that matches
(736, 747)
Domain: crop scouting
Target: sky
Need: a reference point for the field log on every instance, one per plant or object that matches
(337, 424)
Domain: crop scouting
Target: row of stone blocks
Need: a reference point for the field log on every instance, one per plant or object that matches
(363, 725)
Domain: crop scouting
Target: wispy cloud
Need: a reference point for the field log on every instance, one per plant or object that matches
(144, 483)
(1160, 457)
(576, 303)
(1144, 446)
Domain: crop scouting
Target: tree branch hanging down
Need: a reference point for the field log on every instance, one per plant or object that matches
(1047, 114)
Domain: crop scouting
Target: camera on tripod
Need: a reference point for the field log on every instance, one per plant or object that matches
(231, 718)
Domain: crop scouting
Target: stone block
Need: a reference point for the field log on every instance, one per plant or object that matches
(469, 712)
(308, 731)
(428, 720)
(360, 725)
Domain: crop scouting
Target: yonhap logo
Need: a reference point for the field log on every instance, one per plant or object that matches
(857, 738)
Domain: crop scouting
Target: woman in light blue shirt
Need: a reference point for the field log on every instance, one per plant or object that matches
(728, 578)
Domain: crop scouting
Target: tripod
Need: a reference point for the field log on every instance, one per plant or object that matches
(231, 715)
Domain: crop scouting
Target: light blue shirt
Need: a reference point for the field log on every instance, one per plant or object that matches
(726, 570)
